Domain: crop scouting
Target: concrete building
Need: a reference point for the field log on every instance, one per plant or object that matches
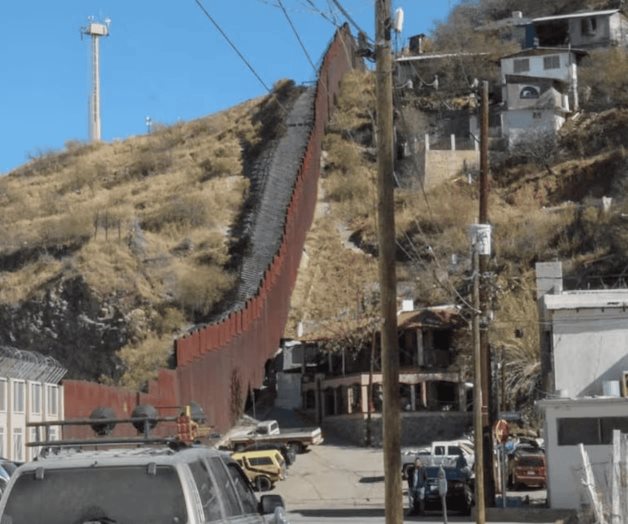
(30, 391)
(586, 333)
(584, 354)
(568, 423)
(583, 30)
(539, 90)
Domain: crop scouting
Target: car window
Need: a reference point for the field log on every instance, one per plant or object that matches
(261, 461)
(98, 494)
(455, 450)
(243, 488)
(206, 490)
(226, 491)
(439, 450)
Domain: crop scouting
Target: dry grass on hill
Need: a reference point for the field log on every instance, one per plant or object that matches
(145, 220)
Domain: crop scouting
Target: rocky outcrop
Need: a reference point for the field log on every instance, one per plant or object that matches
(67, 321)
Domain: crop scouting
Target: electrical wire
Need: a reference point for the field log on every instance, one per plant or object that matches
(349, 18)
(233, 46)
(298, 37)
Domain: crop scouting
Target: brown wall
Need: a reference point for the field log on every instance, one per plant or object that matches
(217, 364)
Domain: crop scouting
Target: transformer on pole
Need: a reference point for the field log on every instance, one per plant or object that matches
(95, 30)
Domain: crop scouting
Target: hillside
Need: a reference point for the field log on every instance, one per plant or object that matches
(111, 249)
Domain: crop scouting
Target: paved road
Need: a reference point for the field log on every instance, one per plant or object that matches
(339, 482)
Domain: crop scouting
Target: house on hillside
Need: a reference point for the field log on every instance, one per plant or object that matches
(539, 90)
(30, 391)
(511, 29)
(435, 399)
(581, 30)
(584, 356)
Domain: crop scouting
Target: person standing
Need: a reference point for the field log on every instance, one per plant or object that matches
(417, 480)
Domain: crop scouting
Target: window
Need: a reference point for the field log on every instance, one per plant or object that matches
(522, 65)
(18, 444)
(53, 400)
(36, 399)
(226, 492)
(18, 397)
(2, 442)
(537, 114)
(52, 433)
(243, 488)
(261, 461)
(206, 490)
(594, 431)
(588, 26)
(3, 394)
(529, 92)
(551, 62)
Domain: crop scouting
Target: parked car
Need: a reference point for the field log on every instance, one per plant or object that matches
(460, 486)
(264, 468)
(287, 452)
(438, 448)
(148, 485)
(526, 468)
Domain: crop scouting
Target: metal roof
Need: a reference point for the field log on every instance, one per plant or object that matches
(435, 56)
(590, 299)
(30, 365)
(576, 15)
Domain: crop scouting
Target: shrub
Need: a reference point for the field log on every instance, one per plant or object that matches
(142, 360)
(199, 289)
(187, 211)
(604, 79)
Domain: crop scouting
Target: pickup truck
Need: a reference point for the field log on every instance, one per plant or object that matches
(437, 450)
(268, 431)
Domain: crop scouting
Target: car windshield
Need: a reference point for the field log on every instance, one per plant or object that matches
(121, 495)
(531, 461)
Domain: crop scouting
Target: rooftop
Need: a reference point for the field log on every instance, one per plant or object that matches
(583, 14)
(534, 51)
(436, 56)
(589, 299)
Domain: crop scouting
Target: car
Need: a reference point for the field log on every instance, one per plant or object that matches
(526, 467)
(460, 486)
(141, 485)
(287, 452)
(263, 467)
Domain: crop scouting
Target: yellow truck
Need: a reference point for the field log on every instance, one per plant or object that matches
(263, 467)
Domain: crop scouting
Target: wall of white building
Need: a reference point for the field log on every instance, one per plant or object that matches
(23, 401)
(564, 463)
(564, 70)
(590, 346)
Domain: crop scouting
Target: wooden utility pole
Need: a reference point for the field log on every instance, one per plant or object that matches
(480, 509)
(488, 404)
(387, 274)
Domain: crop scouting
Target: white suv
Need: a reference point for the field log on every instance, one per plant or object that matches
(135, 486)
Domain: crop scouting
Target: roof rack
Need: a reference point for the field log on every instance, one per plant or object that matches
(188, 430)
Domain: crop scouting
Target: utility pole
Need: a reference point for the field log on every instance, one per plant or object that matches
(480, 508)
(488, 407)
(387, 274)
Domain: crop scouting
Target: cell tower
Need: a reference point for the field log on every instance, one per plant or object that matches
(95, 30)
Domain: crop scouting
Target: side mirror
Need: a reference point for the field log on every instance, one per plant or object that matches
(268, 503)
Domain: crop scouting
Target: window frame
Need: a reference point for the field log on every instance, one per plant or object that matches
(551, 62)
(18, 454)
(49, 400)
(521, 65)
(246, 495)
(21, 386)
(36, 386)
(4, 401)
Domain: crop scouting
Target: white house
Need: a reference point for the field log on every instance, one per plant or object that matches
(29, 392)
(568, 423)
(539, 90)
(585, 29)
(587, 335)
(584, 353)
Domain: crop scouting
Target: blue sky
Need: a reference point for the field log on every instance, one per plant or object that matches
(163, 59)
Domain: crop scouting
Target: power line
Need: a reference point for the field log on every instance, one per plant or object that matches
(298, 37)
(233, 46)
(348, 17)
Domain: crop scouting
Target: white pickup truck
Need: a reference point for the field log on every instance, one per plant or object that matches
(267, 431)
(438, 450)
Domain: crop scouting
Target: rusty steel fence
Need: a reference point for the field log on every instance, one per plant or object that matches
(217, 365)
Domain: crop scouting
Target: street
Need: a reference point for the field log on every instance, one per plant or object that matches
(339, 482)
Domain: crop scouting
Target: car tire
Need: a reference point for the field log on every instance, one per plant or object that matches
(297, 447)
(263, 483)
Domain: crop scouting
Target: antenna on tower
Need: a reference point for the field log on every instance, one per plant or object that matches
(95, 30)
